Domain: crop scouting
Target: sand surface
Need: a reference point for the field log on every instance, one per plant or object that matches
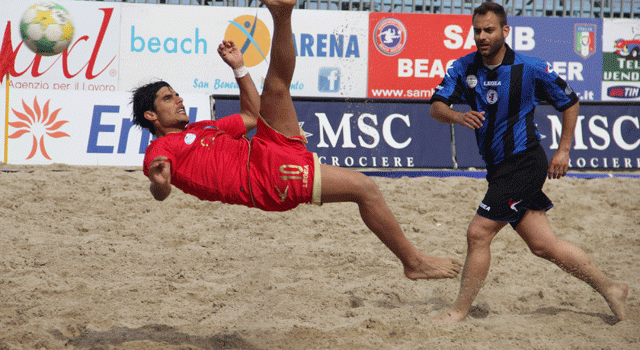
(88, 260)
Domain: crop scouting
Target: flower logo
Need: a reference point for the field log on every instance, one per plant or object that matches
(38, 122)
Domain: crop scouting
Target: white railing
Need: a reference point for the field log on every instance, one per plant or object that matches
(529, 8)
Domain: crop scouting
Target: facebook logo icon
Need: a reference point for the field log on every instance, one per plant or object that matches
(329, 79)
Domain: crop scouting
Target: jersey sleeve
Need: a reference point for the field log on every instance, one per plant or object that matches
(451, 89)
(157, 148)
(551, 88)
(232, 125)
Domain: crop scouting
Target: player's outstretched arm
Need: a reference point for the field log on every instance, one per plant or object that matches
(445, 114)
(559, 163)
(249, 96)
(160, 176)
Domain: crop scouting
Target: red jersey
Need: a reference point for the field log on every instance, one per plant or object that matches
(208, 160)
(215, 161)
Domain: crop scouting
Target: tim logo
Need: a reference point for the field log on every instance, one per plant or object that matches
(390, 36)
(329, 79)
(251, 36)
(624, 91)
(584, 36)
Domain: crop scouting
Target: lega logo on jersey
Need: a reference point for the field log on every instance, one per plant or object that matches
(189, 138)
(492, 97)
(472, 81)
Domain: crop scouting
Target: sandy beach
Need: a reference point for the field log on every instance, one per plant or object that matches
(89, 260)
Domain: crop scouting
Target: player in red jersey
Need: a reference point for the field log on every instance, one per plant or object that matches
(214, 160)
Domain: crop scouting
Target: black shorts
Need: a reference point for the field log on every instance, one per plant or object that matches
(515, 185)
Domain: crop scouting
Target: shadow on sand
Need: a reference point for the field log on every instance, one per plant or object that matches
(482, 310)
(155, 333)
(552, 311)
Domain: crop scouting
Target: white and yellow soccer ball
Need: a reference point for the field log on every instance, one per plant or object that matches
(46, 28)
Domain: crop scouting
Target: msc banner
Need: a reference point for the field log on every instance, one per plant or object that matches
(369, 135)
(606, 137)
(81, 127)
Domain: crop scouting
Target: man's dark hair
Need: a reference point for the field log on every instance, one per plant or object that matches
(497, 9)
(143, 100)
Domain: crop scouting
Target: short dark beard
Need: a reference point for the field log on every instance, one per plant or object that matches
(494, 49)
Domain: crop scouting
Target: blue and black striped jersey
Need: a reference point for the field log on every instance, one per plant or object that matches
(508, 95)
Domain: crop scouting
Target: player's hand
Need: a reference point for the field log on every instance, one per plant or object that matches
(472, 119)
(160, 171)
(559, 165)
(230, 54)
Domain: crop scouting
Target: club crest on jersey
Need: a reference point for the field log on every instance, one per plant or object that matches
(189, 138)
(492, 97)
(472, 81)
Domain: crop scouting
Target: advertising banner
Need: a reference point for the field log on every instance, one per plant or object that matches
(409, 52)
(331, 48)
(571, 46)
(369, 135)
(81, 127)
(606, 137)
(621, 60)
(90, 62)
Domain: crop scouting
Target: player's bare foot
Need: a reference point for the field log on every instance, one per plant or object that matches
(616, 297)
(451, 316)
(430, 267)
(279, 3)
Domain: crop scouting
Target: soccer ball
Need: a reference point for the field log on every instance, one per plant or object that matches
(46, 28)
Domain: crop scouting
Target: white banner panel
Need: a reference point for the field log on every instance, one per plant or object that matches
(178, 44)
(90, 62)
(3, 109)
(81, 127)
(621, 60)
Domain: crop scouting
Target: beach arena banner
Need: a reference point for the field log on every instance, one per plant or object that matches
(81, 127)
(369, 135)
(621, 60)
(606, 137)
(331, 48)
(90, 62)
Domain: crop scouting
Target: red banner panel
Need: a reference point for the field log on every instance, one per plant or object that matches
(409, 52)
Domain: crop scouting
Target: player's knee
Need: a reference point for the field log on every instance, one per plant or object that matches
(540, 250)
(476, 236)
(366, 187)
(275, 91)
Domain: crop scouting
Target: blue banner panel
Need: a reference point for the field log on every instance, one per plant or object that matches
(571, 46)
(606, 137)
(369, 134)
